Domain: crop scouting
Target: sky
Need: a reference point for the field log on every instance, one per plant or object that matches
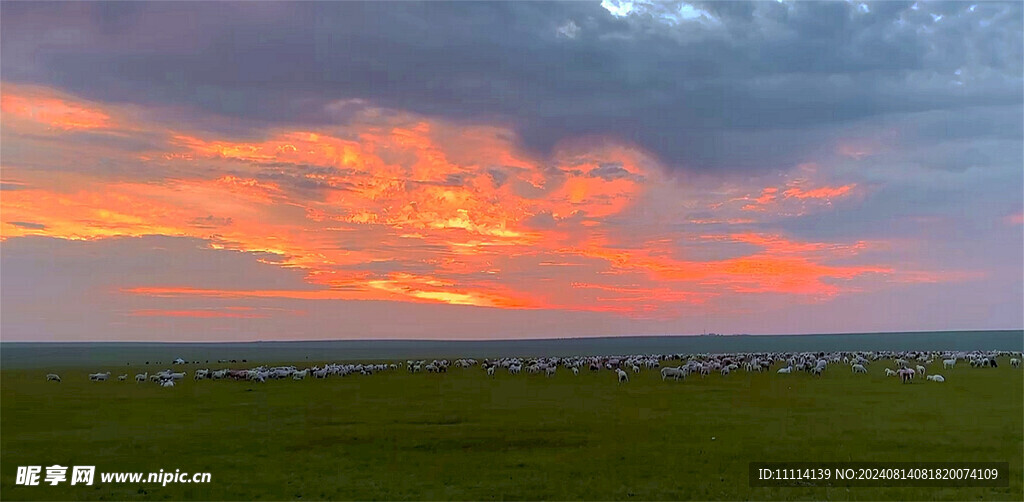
(277, 171)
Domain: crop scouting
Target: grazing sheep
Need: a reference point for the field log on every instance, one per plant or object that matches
(99, 377)
(141, 377)
(167, 383)
(785, 371)
(490, 370)
(550, 371)
(859, 368)
(920, 369)
(889, 372)
(623, 376)
(725, 371)
(53, 377)
(1015, 362)
(121, 378)
(575, 371)
(936, 378)
(906, 375)
(674, 373)
(636, 369)
(948, 363)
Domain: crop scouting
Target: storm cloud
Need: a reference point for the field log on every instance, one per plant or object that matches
(715, 86)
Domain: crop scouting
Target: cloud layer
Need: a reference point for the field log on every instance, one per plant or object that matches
(602, 168)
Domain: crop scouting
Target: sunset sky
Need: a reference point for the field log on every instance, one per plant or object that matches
(257, 171)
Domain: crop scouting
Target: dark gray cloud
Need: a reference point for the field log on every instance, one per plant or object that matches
(28, 224)
(611, 171)
(210, 221)
(739, 88)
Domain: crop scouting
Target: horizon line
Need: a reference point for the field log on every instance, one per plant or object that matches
(596, 337)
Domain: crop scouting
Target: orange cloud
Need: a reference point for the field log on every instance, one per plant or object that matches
(819, 193)
(50, 110)
(424, 211)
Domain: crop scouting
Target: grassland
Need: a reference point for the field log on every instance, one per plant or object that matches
(461, 435)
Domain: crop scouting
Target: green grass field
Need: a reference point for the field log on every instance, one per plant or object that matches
(462, 435)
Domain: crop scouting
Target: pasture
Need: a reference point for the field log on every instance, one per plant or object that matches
(462, 435)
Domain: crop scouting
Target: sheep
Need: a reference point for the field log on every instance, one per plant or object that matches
(725, 371)
(674, 373)
(948, 363)
(53, 377)
(550, 371)
(859, 368)
(1015, 362)
(141, 377)
(99, 377)
(121, 378)
(575, 371)
(167, 383)
(889, 372)
(490, 371)
(636, 369)
(785, 371)
(177, 376)
(920, 369)
(623, 376)
(906, 375)
(936, 378)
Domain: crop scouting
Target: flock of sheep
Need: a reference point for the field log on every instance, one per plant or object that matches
(908, 364)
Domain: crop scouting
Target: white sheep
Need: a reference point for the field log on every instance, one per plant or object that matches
(1015, 362)
(99, 377)
(948, 363)
(121, 378)
(670, 372)
(920, 369)
(141, 377)
(936, 378)
(785, 371)
(859, 368)
(53, 377)
(889, 372)
(623, 376)
(575, 371)
(167, 383)
(906, 375)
